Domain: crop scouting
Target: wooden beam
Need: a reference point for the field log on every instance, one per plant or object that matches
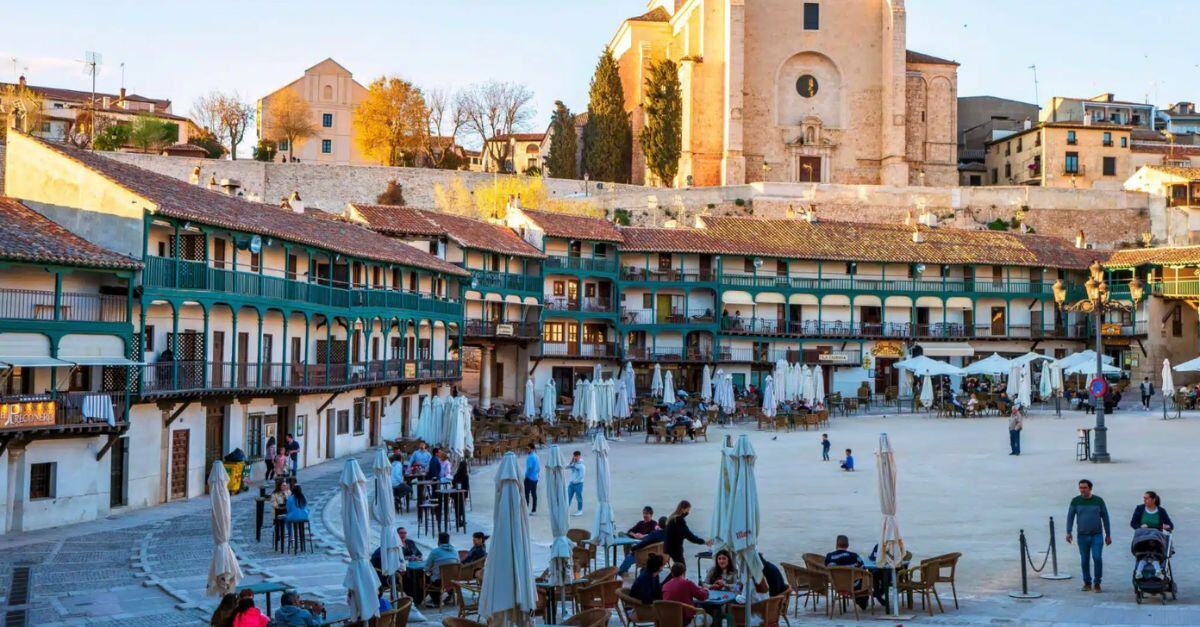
(112, 439)
(327, 402)
(4, 443)
(176, 415)
(286, 400)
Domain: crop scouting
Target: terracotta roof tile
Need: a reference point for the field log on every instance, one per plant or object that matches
(521, 137)
(179, 199)
(1191, 174)
(26, 235)
(658, 14)
(78, 95)
(862, 241)
(575, 226)
(920, 57)
(466, 232)
(645, 239)
(1164, 256)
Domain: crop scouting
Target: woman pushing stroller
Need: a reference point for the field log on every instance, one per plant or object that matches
(1151, 546)
(1150, 514)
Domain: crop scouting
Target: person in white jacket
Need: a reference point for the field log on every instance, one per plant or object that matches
(575, 486)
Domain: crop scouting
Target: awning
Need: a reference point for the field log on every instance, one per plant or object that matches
(21, 361)
(101, 361)
(946, 349)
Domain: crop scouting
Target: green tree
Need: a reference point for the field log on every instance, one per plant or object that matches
(662, 137)
(209, 142)
(560, 162)
(148, 132)
(265, 150)
(112, 137)
(608, 136)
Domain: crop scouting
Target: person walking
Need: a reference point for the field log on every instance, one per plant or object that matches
(1147, 389)
(678, 531)
(1015, 424)
(575, 486)
(293, 452)
(825, 444)
(533, 471)
(1091, 516)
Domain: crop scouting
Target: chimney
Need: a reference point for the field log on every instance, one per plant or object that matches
(295, 202)
(230, 187)
(21, 81)
(810, 214)
(253, 197)
(917, 235)
(212, 182)
(1080, 240)
(283, 203)
(122, 93)
(194, 177)
(928, 218)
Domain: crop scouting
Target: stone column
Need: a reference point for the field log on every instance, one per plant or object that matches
(486, 355)
(14, 500)
(733, 162)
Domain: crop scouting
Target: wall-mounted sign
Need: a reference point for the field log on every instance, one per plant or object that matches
(505, 330)
(29, 414)
(888, 348)
(834, 358)
(1110, 328)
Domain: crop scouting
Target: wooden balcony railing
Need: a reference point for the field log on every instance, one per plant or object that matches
(198, 376)
(21, 304)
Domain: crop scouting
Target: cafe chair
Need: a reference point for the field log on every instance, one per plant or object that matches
(848, 584)
(601, 594)
(451, 621)
(798, 585)
(947, 567)
(769, 610)
(632, 612)
(595, 617)
(398, 615)
(467, 607)
(642, 555)
(601, 574)
(921, 580)
(670, 613)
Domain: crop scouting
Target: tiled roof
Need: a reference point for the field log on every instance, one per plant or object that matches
(77, 95)
(179, 199)
(466, 232)
(520, 137)
(893, 243)
(180, 148)
(920, 57)
(1165, 149)
(1166, 256)
(575, 227)
(659, 14)
(659, 240)
(1191, 174)
(26, 235)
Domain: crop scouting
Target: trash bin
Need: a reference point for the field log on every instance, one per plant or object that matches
(235, 469)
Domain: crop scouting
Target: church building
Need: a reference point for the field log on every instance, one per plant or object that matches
(781, 90)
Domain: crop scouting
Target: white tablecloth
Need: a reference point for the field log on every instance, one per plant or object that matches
(98, 408)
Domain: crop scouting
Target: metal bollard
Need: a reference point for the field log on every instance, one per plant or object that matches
(1054, 575)
(1024, 592)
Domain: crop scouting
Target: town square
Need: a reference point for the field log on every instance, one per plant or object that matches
(617, 313)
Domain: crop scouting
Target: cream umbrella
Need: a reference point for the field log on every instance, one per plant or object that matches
(656, 382)
(556, 497)
(922, 365)
(1025, 386)
(508, 594)
(1045, 385)
(621, 405)
(361, 582)
(769, 401)
(891, 543)
(926, 392)
(459, 441)
(224, 573)
(818, 384)
(383, 510)
(794, 377)
(720, 520)
(421, 431)
(727, 403)
(706, 384)
(530, 400)
(628, 380)
(577, 397)
(590, 410)
(993, 364)
(549, 401)
(1013, 385)
(669, 387)
(780, 376)
(810, 384)
(1191, 365)
(606, 527)
(596, 374)
(744, 514)
(1168, 385)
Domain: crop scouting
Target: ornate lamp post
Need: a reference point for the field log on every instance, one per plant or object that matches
(1098, 302)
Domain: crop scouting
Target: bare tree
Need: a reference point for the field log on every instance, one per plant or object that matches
(447, 120)
(226, 115)
(289, 118)
(495, 109)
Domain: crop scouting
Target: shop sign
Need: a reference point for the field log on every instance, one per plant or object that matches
(27, 414)
(505, 330)
(1110, 328)
(833, 358)
(887, 349)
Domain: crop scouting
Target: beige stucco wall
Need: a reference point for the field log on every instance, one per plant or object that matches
(328, 88)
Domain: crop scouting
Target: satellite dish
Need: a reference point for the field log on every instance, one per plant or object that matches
(256, 244)
(758, 262)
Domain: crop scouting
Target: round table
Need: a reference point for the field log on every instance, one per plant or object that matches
(716, 602)
(414, 580)
(620, 541)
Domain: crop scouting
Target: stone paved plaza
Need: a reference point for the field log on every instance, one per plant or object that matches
(959, 491)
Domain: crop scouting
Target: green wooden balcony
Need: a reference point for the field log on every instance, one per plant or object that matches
(567, 263)
(18, 304)
(950, 287)
(179, 274)
(505, 281)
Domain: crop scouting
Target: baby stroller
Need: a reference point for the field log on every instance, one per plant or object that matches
(1152, 573)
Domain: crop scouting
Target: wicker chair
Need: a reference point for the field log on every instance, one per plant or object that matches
(799, 585)
(601, 594)
(578, 535)
(632, 612)
(921, 580)
(595, 617)
(770, 610)
(467, 607)
(602, 574)
(671, 613)
(642, 555)
(451, 621)
(701, 432)
(948, 561)
(848, 583)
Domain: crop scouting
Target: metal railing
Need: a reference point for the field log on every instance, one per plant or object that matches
(918, 286)
(772, 355)
(492, 328)
(167, 273)
(26, 411)
(490, 279)
(677, 315)
(587, 264)
(669, 353)
(21, 304)
(634, 273)
(936, 330)
(586, 349)
(590, 305)
(198, 376)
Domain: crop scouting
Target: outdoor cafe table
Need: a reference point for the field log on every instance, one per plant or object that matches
(265, 587)
(620, 541)
(716, 602)
(446, 495)
(414, 580)
(552, 597)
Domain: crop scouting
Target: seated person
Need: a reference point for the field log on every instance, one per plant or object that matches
(723, 575)
(848, 463)
(776, 583)
(400, 488)
(647, 588)
(681, 589)
(658, 535)
(410, 549)
(843, 556)
(419, 460)
(290, 614)
(443, 554)
(973, 404)
(478, 548)
(297, 506)
(643, 526)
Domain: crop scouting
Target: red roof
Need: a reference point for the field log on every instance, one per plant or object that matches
(679, 240)
(575, 226)
(658, 14)
(920, 57)
(466, 232)
(179, 199)
(79, 95)
(520, 137)
(26, 235)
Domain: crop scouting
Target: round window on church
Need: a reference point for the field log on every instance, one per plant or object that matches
(807, 86)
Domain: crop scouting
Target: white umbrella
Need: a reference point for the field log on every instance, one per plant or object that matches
(508, 593)
(361, 581)
(577, 398)
(621, 405)
(1046, 385)
(818, 384)
(993, 364)
(668, 387)
(1013, 385)
(383, 510)
(769, 401)
(906, 383)
(891, 543)
(656, 382)
(727, 401)
(1025, 388)
(922, 365)
(459, 441)
(794, 380)
(720, 519)
(556, 496)
(421, 431)
(1192, 365)
(590, 411)
(549, 401)
(606, 527)
(744, 515)
(1168, 382)
(530, 400)
(926, 392)
(630, 384)
(1056, 374)
(596, 373)
(224, 573)
(1088, 368)
(706, 384)
(780, 376)
(806, 391)
(1031, 357)
(604, 401)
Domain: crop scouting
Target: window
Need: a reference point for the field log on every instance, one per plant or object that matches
(1071, 138)
(360, 415)
(255, 262)
(1177, 322)
(553, 332)
(600, 251)
(589, 290)
(254, 436)
(148, 338)
(41, 480)
(647, 301)
(976, 180)
(995, 176)
(1071, 163)
(812, 16)
(326, 146)
(1110, 166)
(327, 120)
(327, 92)
(1007, 149)
(1108, 138)
(1020, 144)
(560, 288)
(45, 127)
(781, 268)
(343, 422)
(1008, 170)
(748, 265)
(284, 145)
(664, 261)
(1124, 142)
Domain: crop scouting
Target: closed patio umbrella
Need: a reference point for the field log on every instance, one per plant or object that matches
(508, 594)
(1013, 386)
(606, 527)
(656, 382)
(769, 400)
(530, 400)
(556, 496)
(577, 396)
(549, 401)
(361, 580)
(1025, 387)
(596, 375)
(668, 387)
(421, 431)
(818, 384)
(628, 380)
(926, 392)
(744, 514)
(1045, 385)
(621, 406)
(383, 510)
(590, 412)
(891, 543)
(727, 401)
(1168, 384)
(224, 573)
(720, 519)
(460, 441)
(706, 384)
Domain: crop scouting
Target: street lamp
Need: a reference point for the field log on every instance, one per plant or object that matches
(1099, 301)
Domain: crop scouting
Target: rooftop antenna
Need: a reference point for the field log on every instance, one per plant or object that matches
(15, 77)
(122, 76)
(1036, 99)
(91, 64)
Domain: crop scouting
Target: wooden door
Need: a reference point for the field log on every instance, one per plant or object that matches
(497, 379)
(217, 378)
(808, 169)
(662, 307)
(330, 432)
(179, 463)
(373, 423)
(885, 374)
(243, 356)
(214, 437)
(705, 267)
(997, 321)
(116, 484)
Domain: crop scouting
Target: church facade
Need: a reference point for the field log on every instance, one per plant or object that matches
(780, 90)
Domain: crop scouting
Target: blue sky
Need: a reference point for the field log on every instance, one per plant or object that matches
(179, 50)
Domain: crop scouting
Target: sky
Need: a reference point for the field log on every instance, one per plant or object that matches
(181, 50)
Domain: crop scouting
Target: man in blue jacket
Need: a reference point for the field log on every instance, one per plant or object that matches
(533, 472)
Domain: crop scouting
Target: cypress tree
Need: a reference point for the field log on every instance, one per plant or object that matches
(608, 136)
(560, 163)
(662, 139)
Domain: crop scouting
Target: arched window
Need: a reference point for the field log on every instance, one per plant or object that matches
(327, 92)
